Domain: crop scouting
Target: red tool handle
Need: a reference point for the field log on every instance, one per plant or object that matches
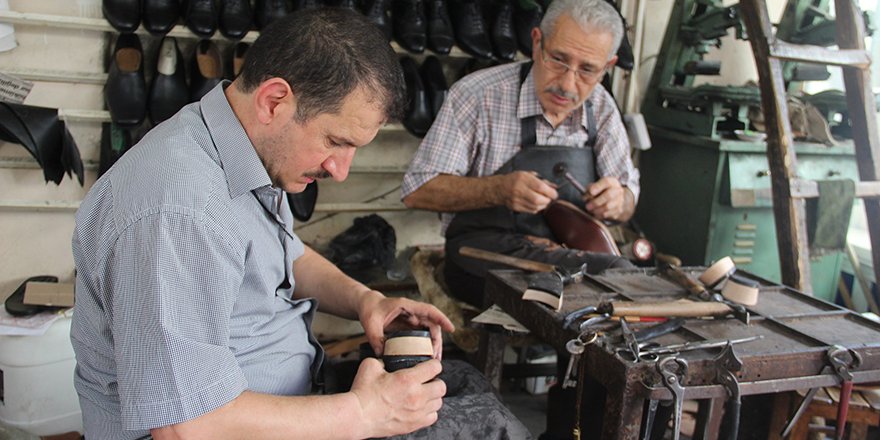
(843, 408)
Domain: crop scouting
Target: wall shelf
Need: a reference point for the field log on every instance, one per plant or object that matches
(179, 31)
(96, 78)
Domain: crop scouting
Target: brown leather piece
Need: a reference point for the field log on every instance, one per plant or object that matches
(579, 230)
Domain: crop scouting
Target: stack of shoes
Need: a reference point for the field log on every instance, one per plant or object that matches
(168, 92)
(268, 11)
(202, 17)
(126, 91)
(417, 119)
(434, 82)
(471, 32)
(527, 16)
(205, 71)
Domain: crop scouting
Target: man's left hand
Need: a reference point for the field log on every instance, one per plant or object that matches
(379, 314)
(607, 199)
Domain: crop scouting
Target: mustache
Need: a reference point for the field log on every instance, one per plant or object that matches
(317, 175)
(556, 90)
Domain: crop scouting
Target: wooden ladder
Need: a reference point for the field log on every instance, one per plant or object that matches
(789, 191)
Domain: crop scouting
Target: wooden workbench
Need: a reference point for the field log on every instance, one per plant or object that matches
(797, 331)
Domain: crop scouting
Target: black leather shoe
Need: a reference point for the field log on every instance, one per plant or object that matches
(123, 15)
(161, 15)
(236, 59)
(302, 204)
(235, 18)
(126, 90)
(527, 16)
(470, 28)
(268, 11)
(435, 84)
(168, 93)
(302, 5)
(418, 115)
(377, 12)
(440, 36)
(410, 28)
(625, 53)
(201, 17)
(503, 37)
(205, 69)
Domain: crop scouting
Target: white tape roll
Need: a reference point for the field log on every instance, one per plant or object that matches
(740, 290)
(718, 272)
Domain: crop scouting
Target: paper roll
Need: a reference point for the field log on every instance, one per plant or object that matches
(740, 290)
(718, 272)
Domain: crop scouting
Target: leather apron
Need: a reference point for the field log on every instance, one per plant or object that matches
(543, 159)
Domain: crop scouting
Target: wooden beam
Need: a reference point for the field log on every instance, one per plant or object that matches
(819, 55)
(809, 189)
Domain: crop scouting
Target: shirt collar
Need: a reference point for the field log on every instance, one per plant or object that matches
(243, 168)
(530, 106)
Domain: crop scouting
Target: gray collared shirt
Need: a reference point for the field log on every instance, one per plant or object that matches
(478, 130)
(184, 287)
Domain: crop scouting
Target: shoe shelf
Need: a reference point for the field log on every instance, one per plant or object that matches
(95, 78)
(73, 205)
(179, 31)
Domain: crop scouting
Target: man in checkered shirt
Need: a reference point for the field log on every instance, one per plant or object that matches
(477, 165)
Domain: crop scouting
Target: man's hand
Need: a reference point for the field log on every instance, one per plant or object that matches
(525, 191)
(399, 402)
(608, 200)
(379, 314)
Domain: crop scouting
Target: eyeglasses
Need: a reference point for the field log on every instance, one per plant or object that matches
(555, 65)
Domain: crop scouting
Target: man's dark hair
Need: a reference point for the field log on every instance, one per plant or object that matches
(325, 54)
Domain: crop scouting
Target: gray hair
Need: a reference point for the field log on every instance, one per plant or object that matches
(591, 15)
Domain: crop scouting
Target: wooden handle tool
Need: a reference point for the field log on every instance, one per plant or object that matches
(519, 263)
(680, 308)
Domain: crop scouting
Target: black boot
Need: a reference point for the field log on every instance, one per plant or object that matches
(235, 18)
(123, 15)
(410, 27)
(440, 36)
(377, 12)
(125, 90)
(418, 115)
(268, 11)
(471, 32)
(168, 93)
(527, 16)
(201, 17)
(160, 15)
(435, 84)
(205, 70)
(503, 37)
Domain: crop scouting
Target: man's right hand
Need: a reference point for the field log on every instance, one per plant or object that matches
(525, 191)
(399, 402)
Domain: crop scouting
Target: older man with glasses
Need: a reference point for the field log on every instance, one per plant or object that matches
(492, 160)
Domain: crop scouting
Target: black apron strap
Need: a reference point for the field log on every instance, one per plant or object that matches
(592, 132)
(527, 125)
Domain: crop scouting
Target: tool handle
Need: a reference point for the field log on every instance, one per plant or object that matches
(730, 424)
(519, 263)
(681, 278)
(680, 308)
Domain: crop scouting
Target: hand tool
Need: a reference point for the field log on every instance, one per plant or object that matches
(573, 316)
(519, 263)
(678, 308)
(727, 364)
(673, 371)
(698, 291)
(643, 336)
(840, 361)
(629, 338)
(698, 345)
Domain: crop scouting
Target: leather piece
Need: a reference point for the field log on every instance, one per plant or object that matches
(235, 18)
(126, 90)
(201, 17)
(471, 32)
(410, 25)
(160, 15)
(434, 81)
(302, 204)
(46, 138)
(206, 69)
(267, 11)
(168, 92)
(123, 15)
(418, 115)
(579, 230)
(440, 35)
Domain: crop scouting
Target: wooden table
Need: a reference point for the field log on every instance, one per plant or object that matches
(797, 331)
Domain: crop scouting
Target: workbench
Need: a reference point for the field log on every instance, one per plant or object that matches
(797, 332)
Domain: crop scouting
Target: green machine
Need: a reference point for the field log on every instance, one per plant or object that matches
(706, 182)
